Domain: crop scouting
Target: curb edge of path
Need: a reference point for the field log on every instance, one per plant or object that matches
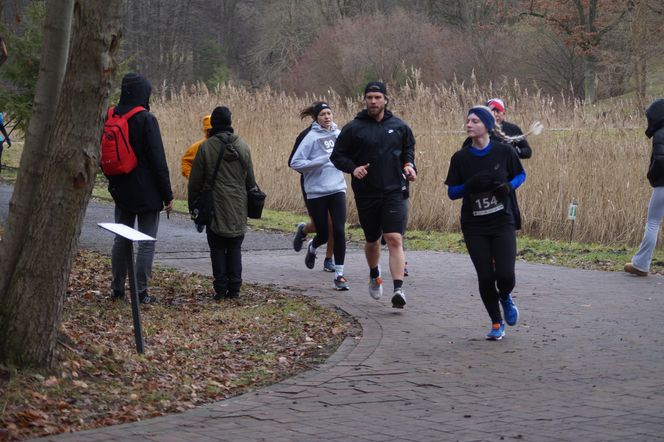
(350, 353)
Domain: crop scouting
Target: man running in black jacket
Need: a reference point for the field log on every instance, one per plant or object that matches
(378, 149)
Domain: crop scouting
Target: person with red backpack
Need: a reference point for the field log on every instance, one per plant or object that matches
(140, 191)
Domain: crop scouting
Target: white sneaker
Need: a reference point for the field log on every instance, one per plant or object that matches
(398, 298)
(376, 286)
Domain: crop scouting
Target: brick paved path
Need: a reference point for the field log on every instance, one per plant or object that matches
(585, 362)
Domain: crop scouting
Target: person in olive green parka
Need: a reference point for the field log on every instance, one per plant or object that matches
(236, 174)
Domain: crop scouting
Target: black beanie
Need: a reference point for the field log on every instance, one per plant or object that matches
(221, 117)
(319, 108)
(375, 86)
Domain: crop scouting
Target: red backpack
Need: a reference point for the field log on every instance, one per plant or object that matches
(117, 156)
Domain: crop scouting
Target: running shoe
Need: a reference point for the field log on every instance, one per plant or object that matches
(218, 296)
(497, 332)
(145, 298)
(340, 283)
(118, 295)
(310, 257)
(328, 265)
(299, 238)
(376, 286)
(629, 268)
(398, 298)
(509, 309)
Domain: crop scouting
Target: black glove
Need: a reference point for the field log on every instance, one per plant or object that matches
(480, 182)
(9, 143)
(502, 189)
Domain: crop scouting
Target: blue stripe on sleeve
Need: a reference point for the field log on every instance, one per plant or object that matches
(456, 192)
(518, 180)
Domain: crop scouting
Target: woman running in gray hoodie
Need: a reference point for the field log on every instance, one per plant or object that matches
(325, 187)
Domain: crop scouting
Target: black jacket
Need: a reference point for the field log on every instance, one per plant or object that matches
(147, 187)
(386, 145)
(522, 147)
(512, 197)
(655, 130)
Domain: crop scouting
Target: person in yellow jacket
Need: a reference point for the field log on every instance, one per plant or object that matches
(190, 154)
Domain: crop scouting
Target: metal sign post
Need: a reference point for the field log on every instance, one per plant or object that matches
(131, 235)
(571, 215)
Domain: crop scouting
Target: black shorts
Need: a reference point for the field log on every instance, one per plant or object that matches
(381, 214)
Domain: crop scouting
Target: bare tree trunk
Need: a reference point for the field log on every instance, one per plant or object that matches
(3, 51)
(589, 79)
(641, 73)
(31, 303)
(52, 67)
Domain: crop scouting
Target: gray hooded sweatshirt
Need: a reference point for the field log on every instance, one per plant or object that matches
(312, 160)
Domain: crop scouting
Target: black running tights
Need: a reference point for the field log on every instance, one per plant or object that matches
(493, 256)
(335, 205)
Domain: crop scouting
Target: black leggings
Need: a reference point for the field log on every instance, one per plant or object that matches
(493, 256)
(335, 205)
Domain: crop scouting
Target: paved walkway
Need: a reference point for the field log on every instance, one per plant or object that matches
(584, 364)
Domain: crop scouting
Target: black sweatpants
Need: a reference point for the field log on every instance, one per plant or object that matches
(494, 256)
(226, 257)
(335, 205)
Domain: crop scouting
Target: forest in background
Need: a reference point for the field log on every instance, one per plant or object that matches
(589, 49)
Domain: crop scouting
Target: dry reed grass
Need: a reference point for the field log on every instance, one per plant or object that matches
(594, 157)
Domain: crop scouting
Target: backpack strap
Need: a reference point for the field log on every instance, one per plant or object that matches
(216, 167)
(133, 112)
(128, 115)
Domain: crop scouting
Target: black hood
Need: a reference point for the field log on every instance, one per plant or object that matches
(655, 116)
(135, 91)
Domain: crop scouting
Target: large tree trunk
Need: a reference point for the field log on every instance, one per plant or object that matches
(53, 63)
(31, 302)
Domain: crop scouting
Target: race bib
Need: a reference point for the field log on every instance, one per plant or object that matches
(327, 143)
(485, 203)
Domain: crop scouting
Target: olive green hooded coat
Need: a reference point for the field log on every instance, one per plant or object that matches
(231, 184)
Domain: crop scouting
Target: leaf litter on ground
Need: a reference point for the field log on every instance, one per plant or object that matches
(197, 351)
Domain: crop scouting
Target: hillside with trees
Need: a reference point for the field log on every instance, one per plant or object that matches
(588, 49)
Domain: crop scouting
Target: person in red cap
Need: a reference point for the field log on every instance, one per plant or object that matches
(522, 147)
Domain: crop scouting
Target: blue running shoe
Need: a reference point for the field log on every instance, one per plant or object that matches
(509, 309)
(497, 332)
(299, 237)
(328, 265)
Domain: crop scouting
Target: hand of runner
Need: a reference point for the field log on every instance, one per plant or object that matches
(410, 173)
(361, 171)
